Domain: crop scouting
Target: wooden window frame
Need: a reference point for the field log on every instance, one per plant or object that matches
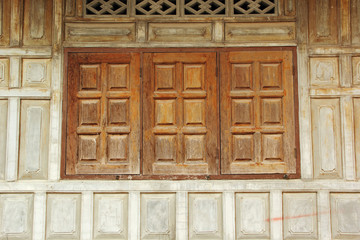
(140, 176)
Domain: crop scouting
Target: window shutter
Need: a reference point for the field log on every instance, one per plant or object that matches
(180, 114)
(257, 112)
(103, 113)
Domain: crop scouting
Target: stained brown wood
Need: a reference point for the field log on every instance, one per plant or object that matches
(103, 114)
(180, 114)
(5, 23)
(323, 21)
(38, 16)
(257, 112)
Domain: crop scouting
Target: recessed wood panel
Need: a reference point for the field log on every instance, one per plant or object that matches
(89, 112)
(16, 217)
(300, 218)
(345, 215)
(195, 147)
(194, 112)
(110, 216)
(323, 22)
(90, 77)
(356, 102)
(36, 73)
(165, 77)
(252, 216)
(38, 15)
(326, 137)
(355, 19)
(165, 148)
(194, 77)
(3, 135)
(88, 147)
(356, 70)
(118, 112)
(34, 141)
(118, 148)
(165, 112)
(324, 72)
(242, 112)
(271, 76)
(243, 148)
(241, 76)
(272, 146)
(272, 111)
(63, 216)
(118, 77)
(158, 216)
(5, 13)
(4, 72)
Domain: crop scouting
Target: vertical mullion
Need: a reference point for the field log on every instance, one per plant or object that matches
(103, 114)
(257, 111)
(179, 78)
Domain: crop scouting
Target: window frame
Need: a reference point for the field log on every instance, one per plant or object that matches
(140, 176)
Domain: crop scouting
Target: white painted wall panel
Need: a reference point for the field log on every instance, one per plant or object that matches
(63, 216)
(34, 139)
(16, 216)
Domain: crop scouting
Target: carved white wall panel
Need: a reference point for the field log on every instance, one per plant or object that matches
(205, 216)
(110, 216)
(36, 73)
(4, 73)
(324, 71)
(3, 135)
(16, 216)
(300, 216)
(63, 216)
(345, 215)
(356, 70)
(252, 216)
(326, 135)
(158, 216)
(34, 139)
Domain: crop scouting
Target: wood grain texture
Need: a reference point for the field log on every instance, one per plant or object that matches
(180, 114)
(323, 22)
(5, 23)
(37, 30)
(257, 112)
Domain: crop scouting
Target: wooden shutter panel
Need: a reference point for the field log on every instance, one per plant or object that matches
(180, 114)
(103, 113)
(257, 112)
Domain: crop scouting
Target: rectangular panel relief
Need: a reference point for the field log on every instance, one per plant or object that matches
(34, 140)
(356, 102)
(300, 216)
(355, 21)
(93, 32)
(111, 216)
(205, 216)
(3, 135)
(38, 16)
(356, 70)
(5, 15)
(324, 71)
(250, 32)
(180, 32)
(252, 216)
(16, 216)
(323, 21)
(326, 135)
(345, 215)
(63, 216)
(36, 73)
(158, 216)
(4, 72)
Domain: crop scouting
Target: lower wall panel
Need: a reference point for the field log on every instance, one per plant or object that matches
(161, 214)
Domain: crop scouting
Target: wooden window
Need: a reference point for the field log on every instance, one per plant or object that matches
(214, 113)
